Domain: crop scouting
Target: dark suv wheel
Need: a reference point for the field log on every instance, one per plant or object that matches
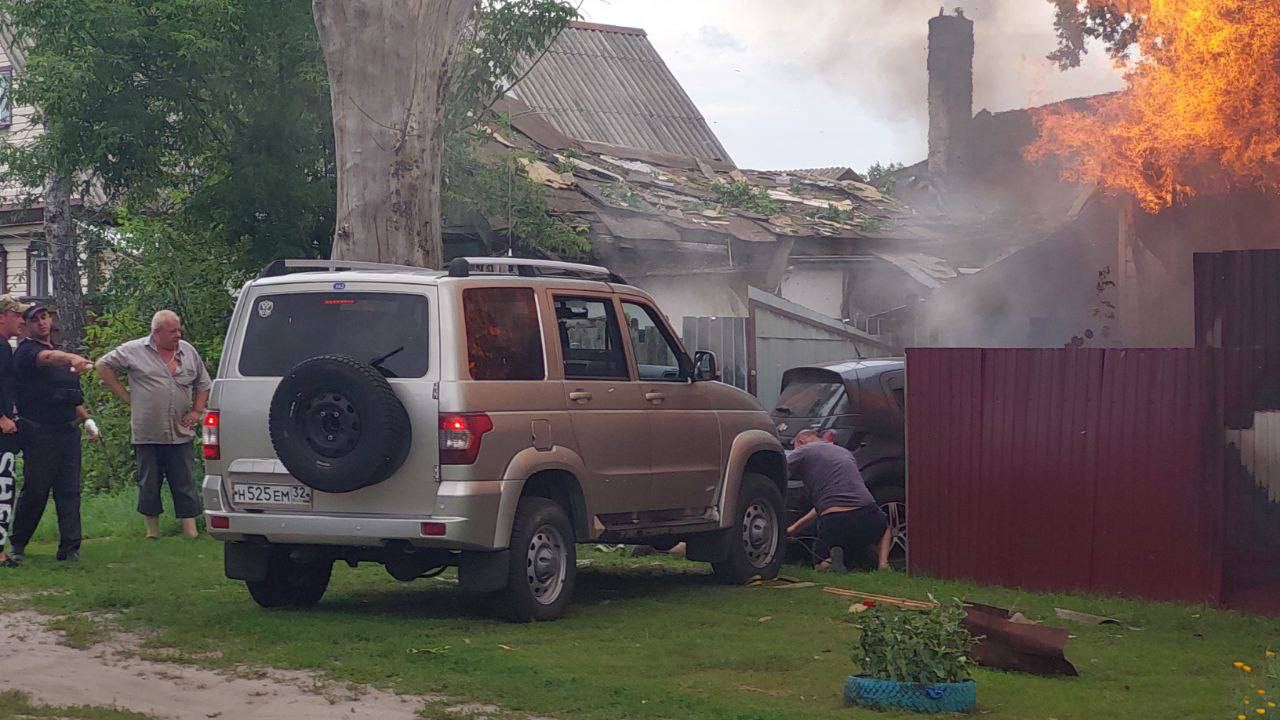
(757, 540)
(290, 583)
(544, 562)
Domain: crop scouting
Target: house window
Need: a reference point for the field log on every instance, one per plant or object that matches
(40, 275)
(6, 98)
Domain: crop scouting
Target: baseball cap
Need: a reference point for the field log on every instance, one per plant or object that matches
(9, 303)
(34, 309)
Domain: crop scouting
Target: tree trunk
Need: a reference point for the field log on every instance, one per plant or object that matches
(64, 265)
(388, 64)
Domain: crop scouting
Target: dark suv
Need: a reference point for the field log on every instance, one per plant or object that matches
(862, 404)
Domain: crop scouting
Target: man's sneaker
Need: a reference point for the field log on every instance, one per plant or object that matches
(17, 554)
(837, 559)
(73, 556)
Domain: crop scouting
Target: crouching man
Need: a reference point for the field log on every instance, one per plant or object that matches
(850, 524)
(168, 389)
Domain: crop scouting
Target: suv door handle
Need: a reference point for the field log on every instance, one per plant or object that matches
(580, 396)
(655, 397)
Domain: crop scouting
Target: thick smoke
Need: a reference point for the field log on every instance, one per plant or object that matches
(874, 51)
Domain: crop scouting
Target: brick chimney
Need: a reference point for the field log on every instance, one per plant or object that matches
(950, 90)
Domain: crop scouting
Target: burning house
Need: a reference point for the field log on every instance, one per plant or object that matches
(1076, 223)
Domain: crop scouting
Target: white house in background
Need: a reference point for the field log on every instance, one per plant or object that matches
(24, 261)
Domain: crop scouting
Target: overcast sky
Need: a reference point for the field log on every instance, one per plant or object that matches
(806, 83)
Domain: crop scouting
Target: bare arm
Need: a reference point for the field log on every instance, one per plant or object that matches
(802, 523)
(58, 358)
(82, 413)
(112, 381)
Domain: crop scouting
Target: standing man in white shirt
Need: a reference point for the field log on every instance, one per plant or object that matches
(167, 392)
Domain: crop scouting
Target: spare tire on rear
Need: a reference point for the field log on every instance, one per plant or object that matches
(337, 425)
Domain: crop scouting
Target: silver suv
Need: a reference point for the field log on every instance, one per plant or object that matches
(485, 418)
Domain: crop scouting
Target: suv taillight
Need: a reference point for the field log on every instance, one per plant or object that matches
(460, 437)
(209, 435)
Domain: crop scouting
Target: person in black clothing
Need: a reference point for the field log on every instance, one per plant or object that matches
(50, 408)
(10, 324)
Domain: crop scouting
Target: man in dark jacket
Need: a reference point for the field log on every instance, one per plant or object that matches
(50, 411)
(10, 325)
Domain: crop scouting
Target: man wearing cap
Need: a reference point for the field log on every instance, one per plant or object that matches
(10, 325)
(50, 410)
(168, 389)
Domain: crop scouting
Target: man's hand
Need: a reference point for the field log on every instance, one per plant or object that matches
(7, 425)
(92, 428)
(190, 420)
(80, 365)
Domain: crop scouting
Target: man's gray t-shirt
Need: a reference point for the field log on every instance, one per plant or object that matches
(831, 475)
(160, 398)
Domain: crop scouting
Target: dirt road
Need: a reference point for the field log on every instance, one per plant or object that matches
(34, 660)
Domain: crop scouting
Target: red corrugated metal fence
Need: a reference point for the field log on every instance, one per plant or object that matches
(1092, 470)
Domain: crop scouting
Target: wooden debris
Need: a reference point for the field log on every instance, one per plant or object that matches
(905, 603)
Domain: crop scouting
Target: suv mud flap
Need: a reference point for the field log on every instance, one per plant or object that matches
(708, 547)
(484, 571)
(243, 561)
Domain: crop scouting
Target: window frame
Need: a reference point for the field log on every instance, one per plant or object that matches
(37, 257)
(684, 363)
(541, 331)
(6, 105)
(615, 313)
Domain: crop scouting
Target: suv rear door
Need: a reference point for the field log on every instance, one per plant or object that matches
(277, 326)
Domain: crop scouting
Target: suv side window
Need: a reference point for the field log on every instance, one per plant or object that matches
(656, 354)
(504, 339)
(590, 340)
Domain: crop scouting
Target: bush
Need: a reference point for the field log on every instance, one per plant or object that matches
(930, 646)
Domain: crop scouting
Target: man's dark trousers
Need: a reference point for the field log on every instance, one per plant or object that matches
(51, 463)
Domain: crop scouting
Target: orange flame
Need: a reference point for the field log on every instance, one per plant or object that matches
(1201, 114)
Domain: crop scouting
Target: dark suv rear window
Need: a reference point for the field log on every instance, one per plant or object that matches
(286, 329)
(811, 399)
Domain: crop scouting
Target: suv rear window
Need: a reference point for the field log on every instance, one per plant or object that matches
(805, 398)
(504, 339)
(288, 328)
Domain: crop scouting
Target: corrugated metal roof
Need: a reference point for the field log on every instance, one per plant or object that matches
(608, 85)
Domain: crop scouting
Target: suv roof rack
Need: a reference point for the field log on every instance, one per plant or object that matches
(276, 268)
(527, 267)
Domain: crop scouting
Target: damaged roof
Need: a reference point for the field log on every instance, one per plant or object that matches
(654, 196)
(607, 84)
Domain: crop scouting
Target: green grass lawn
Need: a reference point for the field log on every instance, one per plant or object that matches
(645, 638)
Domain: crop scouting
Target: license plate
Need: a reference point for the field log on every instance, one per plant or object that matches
(264, 494)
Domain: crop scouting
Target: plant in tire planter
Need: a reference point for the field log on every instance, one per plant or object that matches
(915, 660)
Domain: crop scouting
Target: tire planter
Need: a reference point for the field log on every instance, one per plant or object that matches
(915, 697)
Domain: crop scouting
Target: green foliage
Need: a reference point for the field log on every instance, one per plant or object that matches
(912, 645)
(745, 196)
(215, 111)
(831, 213)
(1075, 26)
(504, 36)
(878, 174)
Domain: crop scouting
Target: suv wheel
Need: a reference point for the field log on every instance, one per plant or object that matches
(290, 583)
(757, 539)
(543, 562)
